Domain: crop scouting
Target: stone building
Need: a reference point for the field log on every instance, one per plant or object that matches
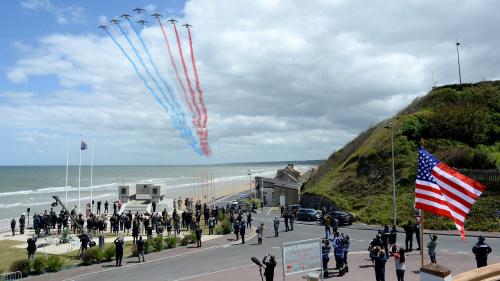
(284, 187)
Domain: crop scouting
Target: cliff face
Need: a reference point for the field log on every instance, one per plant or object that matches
(459, 124)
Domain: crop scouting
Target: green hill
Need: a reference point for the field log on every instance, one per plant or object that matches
(460, 125)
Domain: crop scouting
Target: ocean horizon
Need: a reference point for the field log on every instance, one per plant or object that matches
(23, 187)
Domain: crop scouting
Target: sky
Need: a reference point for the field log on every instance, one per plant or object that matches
(282, 80)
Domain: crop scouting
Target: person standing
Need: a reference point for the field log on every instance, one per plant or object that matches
(153, 205)
(292, 218)
(22, 222)
(327, 222)
(400, 264)
(242, 231)
(339, 251)
(417, 235)
(286, 217)
(380, 259)
(431, 247)
(481, 250)
(260, 233)
(119, 251)
(198, 232)
(325, 251)
(276, 223)
(211, 225)
(236, 227)
(31, 247)
(409, 229)
(392, 240)
(270, 265)
(98, 207)
(249, 220)
(140, 249)
(385, 239)
(13, 226)
(106, 207)
(335, 224)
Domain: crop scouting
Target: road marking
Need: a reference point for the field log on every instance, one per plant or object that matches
(270, 209)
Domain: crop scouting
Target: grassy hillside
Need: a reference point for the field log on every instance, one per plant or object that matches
(459, 124)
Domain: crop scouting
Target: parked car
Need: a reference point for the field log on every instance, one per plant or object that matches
(307, 214)
(294, 209)
(344, 217)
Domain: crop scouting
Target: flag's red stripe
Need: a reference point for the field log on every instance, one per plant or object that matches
(432, 209)
(454, 173)
(456, 198)
(441, 202)
(454, 185)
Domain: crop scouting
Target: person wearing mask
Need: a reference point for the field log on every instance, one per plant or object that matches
(276, 223)
(481, 250)
(409, 229)
(270, 265)
(380, 259)
(431, 247)
(325, 251)
(400, 264)
(140, 249)
(119, 250)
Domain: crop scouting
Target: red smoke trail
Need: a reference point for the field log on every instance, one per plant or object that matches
(197, 79)
(174, 65)
(203, 140)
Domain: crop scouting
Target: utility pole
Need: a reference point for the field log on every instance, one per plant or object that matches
(458, 59)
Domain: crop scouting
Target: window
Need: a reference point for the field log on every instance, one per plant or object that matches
(155, 191)
(124, 191)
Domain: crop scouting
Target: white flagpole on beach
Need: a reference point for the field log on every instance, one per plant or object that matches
(67, 156)
(91, 172)
(79, 174)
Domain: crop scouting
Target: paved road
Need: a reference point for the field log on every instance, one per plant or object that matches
(234, 256)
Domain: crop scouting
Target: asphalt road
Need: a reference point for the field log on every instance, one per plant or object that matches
(234, 256)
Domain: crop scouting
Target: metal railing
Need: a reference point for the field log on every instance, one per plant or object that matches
(11, 276)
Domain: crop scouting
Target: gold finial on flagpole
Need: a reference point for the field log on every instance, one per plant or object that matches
(422, 142)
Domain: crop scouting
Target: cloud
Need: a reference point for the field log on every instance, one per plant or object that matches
(18, 95)
(62, 15)
(282, 79)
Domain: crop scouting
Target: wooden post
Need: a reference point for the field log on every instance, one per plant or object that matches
(422, 237)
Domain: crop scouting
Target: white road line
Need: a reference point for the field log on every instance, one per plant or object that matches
(270, 209)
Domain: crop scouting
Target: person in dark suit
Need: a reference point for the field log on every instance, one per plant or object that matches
(270, 265)
(119, 250)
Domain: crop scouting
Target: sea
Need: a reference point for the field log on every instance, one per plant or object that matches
(23, 187)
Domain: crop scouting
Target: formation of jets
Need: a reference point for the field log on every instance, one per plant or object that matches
(139, 10)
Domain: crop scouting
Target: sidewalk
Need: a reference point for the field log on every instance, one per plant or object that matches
(360, 268)
(210, 243)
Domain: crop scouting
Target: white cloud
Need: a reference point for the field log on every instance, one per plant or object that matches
(62, 15)
(282, 79)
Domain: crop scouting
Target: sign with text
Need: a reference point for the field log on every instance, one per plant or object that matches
(301, 256)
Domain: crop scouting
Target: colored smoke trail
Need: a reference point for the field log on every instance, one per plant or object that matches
(174, 65)
(188, 81)
(185, 132)
(150, 59)
(204, 143)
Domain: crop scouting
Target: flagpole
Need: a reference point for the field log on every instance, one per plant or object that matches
(79, 175)
(67, 156)
(422, 237)
(91, 173)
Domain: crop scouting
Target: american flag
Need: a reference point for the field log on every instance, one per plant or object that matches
(443, 191)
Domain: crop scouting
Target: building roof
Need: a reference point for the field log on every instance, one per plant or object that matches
(279, 183)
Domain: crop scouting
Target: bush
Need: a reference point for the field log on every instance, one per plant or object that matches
(39, 265)
(54, 263)
(23, 265)
(223, 228)
(109, 253)
(147, 246)
(92, 255)
(158, 243)
(171, 242)
(188, 239)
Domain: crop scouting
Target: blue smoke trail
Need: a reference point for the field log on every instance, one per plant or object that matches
(187, 133)
(174, 100)
(179, 125)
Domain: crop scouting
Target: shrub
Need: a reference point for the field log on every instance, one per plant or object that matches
(158, 243)
(39, 265)
(23, 265)
(171, 242)
(92, 255)
(108, 253)
(54, 263)
(188, 238)
(223, 228)
(147, 246)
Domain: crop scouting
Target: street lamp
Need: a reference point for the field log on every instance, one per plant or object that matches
(393, 174)
(458, 59)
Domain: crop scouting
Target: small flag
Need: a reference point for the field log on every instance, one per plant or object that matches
(443, 191)
(83, 145)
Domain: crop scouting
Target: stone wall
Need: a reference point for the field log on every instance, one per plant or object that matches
(317, 202)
